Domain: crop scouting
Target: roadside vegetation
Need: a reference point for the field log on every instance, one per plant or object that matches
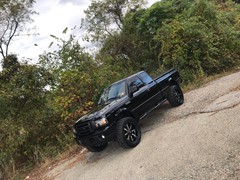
(39, 103)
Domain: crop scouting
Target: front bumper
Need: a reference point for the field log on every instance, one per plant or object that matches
(97, 138)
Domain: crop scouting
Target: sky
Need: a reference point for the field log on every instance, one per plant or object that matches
(52, 18)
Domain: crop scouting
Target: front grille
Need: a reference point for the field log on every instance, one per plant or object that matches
(83, 128)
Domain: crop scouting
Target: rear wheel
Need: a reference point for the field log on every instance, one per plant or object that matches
(175, 97)
(128, 132)
(96, 148)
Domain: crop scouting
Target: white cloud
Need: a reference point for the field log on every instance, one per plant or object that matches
(54, 16)
(75, 2)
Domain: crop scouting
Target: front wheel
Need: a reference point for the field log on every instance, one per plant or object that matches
(175, 97)
(128, 132)
(96, 148)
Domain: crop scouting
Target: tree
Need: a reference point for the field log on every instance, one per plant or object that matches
(10, 67)
(197, 37)
(103, 17)
(27, 123)
(134, 47)
(203, 40)
(14, 17)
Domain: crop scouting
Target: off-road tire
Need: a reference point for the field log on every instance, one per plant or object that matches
(175, 97)
(128, 133)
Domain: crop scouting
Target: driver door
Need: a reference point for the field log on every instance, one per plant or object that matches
(138, 102)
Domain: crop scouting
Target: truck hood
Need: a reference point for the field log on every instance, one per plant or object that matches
(102, 110)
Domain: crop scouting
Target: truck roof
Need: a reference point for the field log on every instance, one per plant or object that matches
(124, 79)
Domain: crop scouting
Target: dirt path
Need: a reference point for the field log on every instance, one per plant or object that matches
(198, 140)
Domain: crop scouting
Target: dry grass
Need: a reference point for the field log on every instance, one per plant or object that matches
(40, 170)
(206, 79)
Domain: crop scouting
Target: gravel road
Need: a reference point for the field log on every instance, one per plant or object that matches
(198, 140)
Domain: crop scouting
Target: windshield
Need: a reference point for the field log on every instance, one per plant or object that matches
(113, 92)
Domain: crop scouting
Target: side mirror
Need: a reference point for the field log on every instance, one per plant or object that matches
(132, 89)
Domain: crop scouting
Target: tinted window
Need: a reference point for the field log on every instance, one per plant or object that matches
(145, 78)
(115, 91)
(135, 81)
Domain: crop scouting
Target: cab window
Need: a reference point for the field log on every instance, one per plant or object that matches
(145, 78)
(136, 81)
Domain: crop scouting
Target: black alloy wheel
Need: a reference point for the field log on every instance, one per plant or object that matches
(175, 97)
(128, 133)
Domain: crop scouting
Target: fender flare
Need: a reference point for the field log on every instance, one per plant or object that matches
(124, 111)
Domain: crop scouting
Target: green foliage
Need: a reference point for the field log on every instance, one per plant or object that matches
(10, 67)
(197, 37)
(153, 18)
(24, 115)
(133, 48)
(104, 17)
(78, 80)
(201, 41)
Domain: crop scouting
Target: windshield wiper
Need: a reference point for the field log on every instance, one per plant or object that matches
(114, 98)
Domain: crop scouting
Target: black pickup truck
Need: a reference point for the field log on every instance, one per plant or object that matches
(122, 105)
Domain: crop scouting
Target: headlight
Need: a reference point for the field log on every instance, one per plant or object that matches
(101, 122)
